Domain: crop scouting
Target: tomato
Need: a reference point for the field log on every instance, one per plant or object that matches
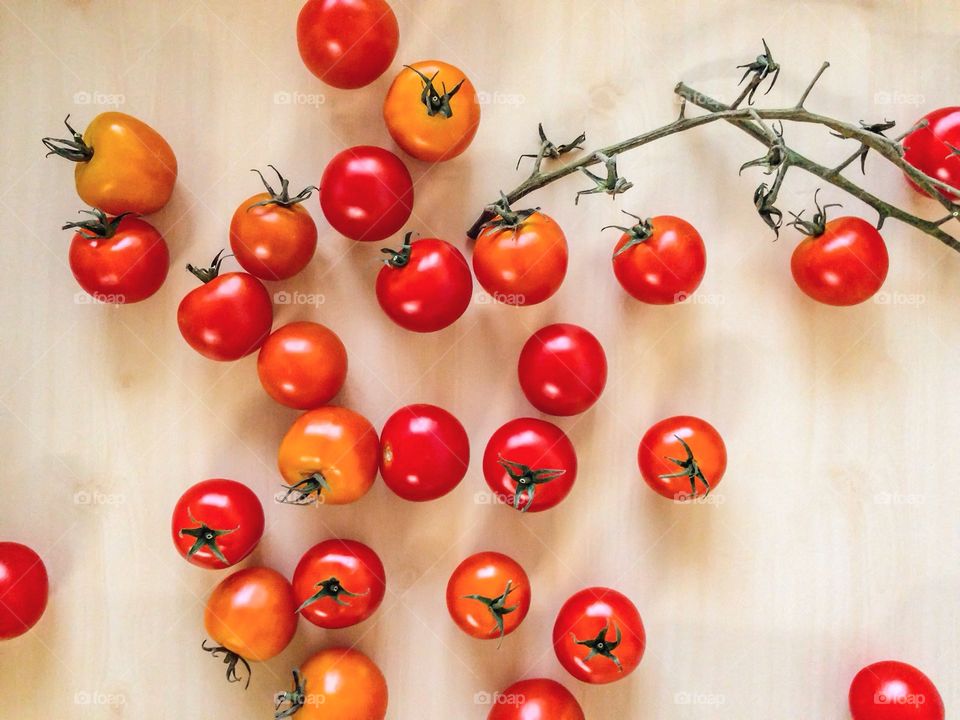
(228, 317)
(217, 523)
(302, 365)
(933, 149)
(339, 583)
(121, 260)
(598, 636)
(366, 193)
(122, 164)
(660, 260)
(536, 699)
(562, 369)
(23, 589)
(328, 455)
(682, 455)
(424, 452)
(892, 690)
(336, 684)
(424, 286)
(271, 234)
(347, 43)
(520, 257)
(250, 615)
(530, 464)
(488, 595)
(432, 110)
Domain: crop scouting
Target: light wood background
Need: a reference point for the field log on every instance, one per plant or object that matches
(833, 541)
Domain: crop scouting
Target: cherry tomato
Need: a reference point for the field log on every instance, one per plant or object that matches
(660, 260)
(520, 257)
(530, 464)
(347, 43)
(328, 455)
(681, 456)
(536, 699)
(891, 690)
(599, 636)
(366, 193)
(424, 452)
(23, 589)
(271, 234)
(217, 523)
(933, 149)
(562, 369)
(424, 286)
(336, 684)
(122, 164)
(339, 583)
(488, 595)
(120, 260)
(432, 110)
(302, 365)
(228, 317)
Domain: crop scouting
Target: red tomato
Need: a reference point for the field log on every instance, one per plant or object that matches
(681, 455)
(336, 684)
(227, 317)
(23, 589)
(488, 595)
(562, 369)
(536, 699)
(660, 260)
(933, 149)
(217, 523)
(339, 583)
(891, 690)
(424, 452)
(530, 464)
(347, 43)
(302, 365)
(599, 636)
(366, 193)
(119, 260)
(425, 286)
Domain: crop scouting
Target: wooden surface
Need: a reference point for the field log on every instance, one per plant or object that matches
(833, 540)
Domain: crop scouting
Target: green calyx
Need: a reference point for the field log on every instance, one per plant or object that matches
(331, 588)
(205, 537)
(435, 102)
(290, 701)
(306, 491)
(527, 479)
(601, 646)
(206, 274)
(399, 258)
(689, 468)
(283, 197)
(638, 233)
(505, 216)
(99, 226)
(816, 226)
(73, 149)
(231, 660)
(497, 606)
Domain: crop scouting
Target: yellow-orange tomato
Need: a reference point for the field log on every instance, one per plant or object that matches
(340, 684)
(432, 111)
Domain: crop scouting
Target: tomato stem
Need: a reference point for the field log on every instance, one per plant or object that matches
(281, 198)
(303, 490)
(206, 274)
(435, 102)
(501, 215)
(331, 588)
(689, 468)
(99, 226)
(527, 479)
(639, 232)
(497, 606)
(293, 699)
(205, 537)
(599, 645)
(231, 660)
(74, 149)
(816, 226)
(399, 258)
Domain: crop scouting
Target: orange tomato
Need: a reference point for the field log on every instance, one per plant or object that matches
(337, 684)
(488, 595)
(302, 365)
(432, 111)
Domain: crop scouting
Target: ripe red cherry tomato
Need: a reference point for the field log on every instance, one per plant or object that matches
(536, 699)
(682, 456)
(347, 43)
(119, 260)
(302, 365)
(217, 523)
(598, 636)
(562, 369)
(891, 690)
(933, 149)
(530, 464)
(660, 260)
(339, 583)
(424, 452)
(425, 286)
(366, 193)
(228, 317)
(488, 595)
(23, 589)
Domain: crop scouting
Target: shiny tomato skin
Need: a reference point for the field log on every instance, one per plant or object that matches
(893, 690)
(538, 444)
(347, 685)
(366, 193)
(347, 43)
(431, 291)
(487, 574)
(846, 265)
(357, 570)
(928, 149)
(302, 365)
(23, 589)
(660, 442)
(562, 369)
(665, 268)
(536, 699)
(424, 452)
(583, 616)
(272, 242)
(228, 508)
